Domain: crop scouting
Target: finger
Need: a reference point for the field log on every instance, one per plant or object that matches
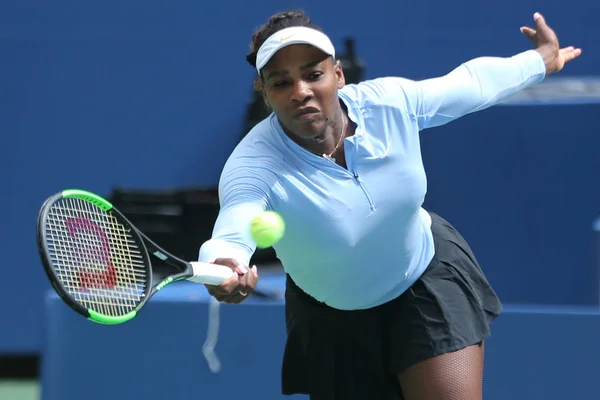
(218, 296)
(228, 262)
(530, 33)
(540, 21)
(238, 268)
(253, 277)
(570, 54)
(246, 287)
(543, 32)
(226, 287)
(232, 298)
(238, 296)
(527, 31)
(241, 270)
(230, 285)
(233, 264)
(567, 51)
(564, 51)
(244, 283)
(212, 290)
(527, 28)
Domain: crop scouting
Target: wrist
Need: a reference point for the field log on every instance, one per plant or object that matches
(548, 57)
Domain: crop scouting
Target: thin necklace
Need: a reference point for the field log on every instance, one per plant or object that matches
(342, 136)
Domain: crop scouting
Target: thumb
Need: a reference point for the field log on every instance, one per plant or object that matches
(530, 33)
(241, 270)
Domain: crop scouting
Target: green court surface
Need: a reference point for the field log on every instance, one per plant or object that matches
(19, 390)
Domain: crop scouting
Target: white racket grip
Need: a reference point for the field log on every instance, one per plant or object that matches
(210, 274)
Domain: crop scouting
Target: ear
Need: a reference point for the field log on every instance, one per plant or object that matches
(265, 98)
(339, 73)
(259, 87)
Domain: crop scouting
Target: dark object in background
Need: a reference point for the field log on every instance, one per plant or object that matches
(354, 71)
(354, 67)
(596, 229)
(180, 220)
(257, 111)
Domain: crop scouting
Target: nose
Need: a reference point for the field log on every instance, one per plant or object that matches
(301, 92)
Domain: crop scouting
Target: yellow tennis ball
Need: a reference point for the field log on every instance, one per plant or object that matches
(267, 228)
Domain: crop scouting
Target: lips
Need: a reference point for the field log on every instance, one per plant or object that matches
(305, 112)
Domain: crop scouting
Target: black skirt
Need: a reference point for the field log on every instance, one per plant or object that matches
(356, 355)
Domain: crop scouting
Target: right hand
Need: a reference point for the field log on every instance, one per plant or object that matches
(546, 43)
(238, 287)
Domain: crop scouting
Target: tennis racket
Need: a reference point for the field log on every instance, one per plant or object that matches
(99, 263)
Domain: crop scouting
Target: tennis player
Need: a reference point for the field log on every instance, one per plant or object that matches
(384, 299)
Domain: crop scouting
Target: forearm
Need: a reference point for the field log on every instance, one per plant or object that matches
(494, 79)
(478, 84)
(231, 235)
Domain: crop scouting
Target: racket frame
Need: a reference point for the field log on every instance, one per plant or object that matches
(145, 244)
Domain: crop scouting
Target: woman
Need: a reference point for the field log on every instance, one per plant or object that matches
(384, 300)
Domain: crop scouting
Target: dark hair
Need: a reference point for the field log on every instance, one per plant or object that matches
(277, 22)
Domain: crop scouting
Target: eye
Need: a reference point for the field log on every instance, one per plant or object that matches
(279, 83)
(315, 75)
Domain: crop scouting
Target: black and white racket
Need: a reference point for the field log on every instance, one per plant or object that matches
(99, 263)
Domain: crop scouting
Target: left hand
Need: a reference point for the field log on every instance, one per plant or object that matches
(546, 43)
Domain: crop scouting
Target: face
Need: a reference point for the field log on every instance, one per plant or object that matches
(300, 83)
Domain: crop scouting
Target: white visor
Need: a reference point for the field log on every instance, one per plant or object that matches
(289, 36)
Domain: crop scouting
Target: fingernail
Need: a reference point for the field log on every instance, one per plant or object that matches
(536, 16)
(243, 270)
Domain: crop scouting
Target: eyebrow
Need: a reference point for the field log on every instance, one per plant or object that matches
(286, 72)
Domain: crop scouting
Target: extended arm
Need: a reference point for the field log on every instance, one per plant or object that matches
(473, 86)
(483, 82)
(479, 83)
(243, 194)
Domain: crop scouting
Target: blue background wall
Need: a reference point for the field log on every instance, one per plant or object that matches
(522, 184)
(152, 94)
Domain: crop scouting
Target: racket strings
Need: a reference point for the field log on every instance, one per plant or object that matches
(95, 257)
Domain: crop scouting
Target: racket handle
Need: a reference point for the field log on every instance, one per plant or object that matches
(210, 274)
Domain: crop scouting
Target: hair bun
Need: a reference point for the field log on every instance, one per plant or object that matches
(276, 23)
(292, 14)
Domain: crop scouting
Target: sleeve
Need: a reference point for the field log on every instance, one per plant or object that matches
(475, 85)
(243, 194)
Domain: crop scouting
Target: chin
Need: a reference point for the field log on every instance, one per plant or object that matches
(314, 131)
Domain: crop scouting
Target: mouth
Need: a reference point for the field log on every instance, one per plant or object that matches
(306, 113)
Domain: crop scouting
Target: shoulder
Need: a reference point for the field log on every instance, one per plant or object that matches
(261, 147)
(256, 160)
(394, 92)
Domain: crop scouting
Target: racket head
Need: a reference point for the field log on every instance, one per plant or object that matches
(94, 258)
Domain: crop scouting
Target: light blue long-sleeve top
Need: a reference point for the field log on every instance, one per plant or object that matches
(358, 237)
